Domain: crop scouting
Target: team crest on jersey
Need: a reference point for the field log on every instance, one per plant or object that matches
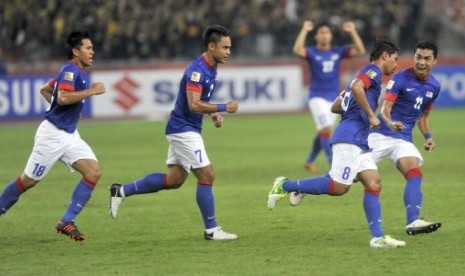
(195, 76)
(390, 84)
(371, 74)
(429, 94)
(69, 76)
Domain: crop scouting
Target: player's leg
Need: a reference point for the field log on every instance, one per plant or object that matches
(343, 171)
(324, 120)
(46, 151)
(369, 177)
(409, 166)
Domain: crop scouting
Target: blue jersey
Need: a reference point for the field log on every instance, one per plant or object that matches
(200, 78)
(71, 79)
(411, 97)
(324, 69)
(354, 126)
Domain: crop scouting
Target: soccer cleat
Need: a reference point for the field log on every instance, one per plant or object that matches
(219, 235)
(116, 199)
(69, 229)
(295, 198)
(310, 167)
(420, 226)
(386, 242)
(276, 192)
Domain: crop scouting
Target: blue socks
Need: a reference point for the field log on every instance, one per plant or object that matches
(150, 183)
(326, 146)
(79, 199)
(206, 204)
(412, 194)
(315, 185)
(372, 207)
(316, 148)
(11, 194)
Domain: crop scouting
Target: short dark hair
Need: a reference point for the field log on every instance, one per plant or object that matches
(323, 24)
(74, 40)
(213, 34)
(427, 45)
(381, 46)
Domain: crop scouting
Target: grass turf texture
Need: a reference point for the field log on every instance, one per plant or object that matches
(161, 233)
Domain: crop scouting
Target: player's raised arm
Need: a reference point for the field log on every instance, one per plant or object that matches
(299, 44)
(359, 47)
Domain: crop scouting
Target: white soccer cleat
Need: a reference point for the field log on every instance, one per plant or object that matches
(116, 199)
(420, 226)
(295, 198)
(386, 242)
(276, 192)
(219, 235)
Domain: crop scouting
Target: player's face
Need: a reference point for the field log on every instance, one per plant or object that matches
(323, 36)
(390, 64)
(423, 63)
(85, 53)
(221, 50)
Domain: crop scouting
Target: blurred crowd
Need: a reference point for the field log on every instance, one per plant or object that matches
(144, 30)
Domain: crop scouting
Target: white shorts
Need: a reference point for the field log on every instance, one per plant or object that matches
(321, 112)
(348, 161)
(393, 148)
(187, 149)
(52, 144)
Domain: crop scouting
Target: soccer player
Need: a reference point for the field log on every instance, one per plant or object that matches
(57, 137)
(324, 61)
(408, 99)
(351, 154)
(186, 147)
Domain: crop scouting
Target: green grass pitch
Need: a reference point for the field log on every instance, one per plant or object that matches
(162, 233)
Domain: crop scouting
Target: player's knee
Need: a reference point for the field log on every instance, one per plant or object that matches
(93, 174)
(173, 183)
(26, 182)
(339, 189)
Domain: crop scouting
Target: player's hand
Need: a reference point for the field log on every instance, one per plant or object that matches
(217, 119)
(374, 122)
(396, 126)
(232, 106)
(429, 144)
(348, 27)
(98, 88)
(308, 25)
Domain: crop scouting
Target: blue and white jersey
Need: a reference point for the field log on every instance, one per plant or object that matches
(354, 126)
(411, 96)
(199, 77)
(324, 68)
(70, 79)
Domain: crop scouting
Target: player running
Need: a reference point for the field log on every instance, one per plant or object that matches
(324, 61)
(187, 151)
(351, 153)
(409, 98)
(57, 137)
